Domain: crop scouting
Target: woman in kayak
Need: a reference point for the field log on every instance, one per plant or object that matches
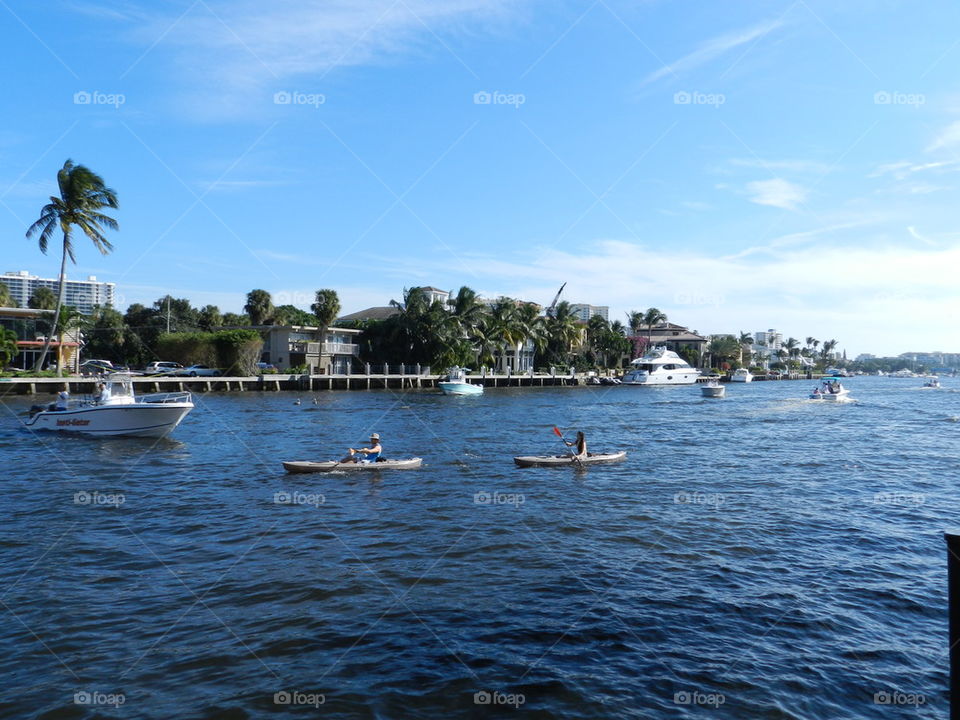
(580, 443)
(370, 454)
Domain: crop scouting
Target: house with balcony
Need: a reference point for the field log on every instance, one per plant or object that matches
(330, 352)
(673, 337)
(31, 328)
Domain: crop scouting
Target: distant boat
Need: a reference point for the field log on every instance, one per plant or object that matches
(457, 383)
(831, 391)
(933, 382)
(713, 389)
(661, 367)
(741, 375)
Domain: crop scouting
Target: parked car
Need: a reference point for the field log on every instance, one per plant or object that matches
(162, 367)
(263, 367)
(96, 367)
(201, 370)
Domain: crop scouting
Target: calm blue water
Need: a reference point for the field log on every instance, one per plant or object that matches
(760, 556)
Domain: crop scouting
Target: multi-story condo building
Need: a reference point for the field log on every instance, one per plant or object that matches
(84, 295)
(584, 312)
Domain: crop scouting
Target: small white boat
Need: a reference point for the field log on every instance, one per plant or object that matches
(661, 367)
(830, 391)
(933, 382)
(713, 389)
(741, 375)
(568, 460)
(118, 412)
(457, 383)
(304, 466)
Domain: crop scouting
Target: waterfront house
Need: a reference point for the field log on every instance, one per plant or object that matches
(30, 327)
(330, 352)
(674, 337)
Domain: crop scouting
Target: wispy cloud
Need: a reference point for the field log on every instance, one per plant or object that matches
(810, 166)
(776, 192)
(710, 50)
(948, 137)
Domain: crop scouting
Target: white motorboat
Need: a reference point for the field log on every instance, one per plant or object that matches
(831, 391)
(713, 389)
(741, 375)
(932, 382)
(457, 383)
(661, 367)
(116, 412)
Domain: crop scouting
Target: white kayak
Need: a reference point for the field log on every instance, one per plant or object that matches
(305, 466)
(568, 460)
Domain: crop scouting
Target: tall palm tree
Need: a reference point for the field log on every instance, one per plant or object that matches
(83, 195)
(746, 340)
(326, 307)
(650, 318)
(562, 331)
(635, 321)
(6, 299)
(828, 346)
(504, 322)
(43, 298)
(259, 307)
(528, 324)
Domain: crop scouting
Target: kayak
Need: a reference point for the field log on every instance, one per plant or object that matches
(304, 466)
(567, 460)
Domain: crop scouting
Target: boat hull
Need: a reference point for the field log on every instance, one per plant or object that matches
(568, 460)
(669, 377)
(831, 397)
(304, 466)
(133, 420)
(713, 392)
(741, 378)
(460, 388)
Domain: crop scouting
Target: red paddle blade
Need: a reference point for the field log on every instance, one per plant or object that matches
(556, 430)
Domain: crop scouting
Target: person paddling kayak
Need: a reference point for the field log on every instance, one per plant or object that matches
(580, 443)
(370, 454)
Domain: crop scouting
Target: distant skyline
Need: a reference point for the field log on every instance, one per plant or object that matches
(739, 166)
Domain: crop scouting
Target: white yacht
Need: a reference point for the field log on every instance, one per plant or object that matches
(741, 375)
(661, 367)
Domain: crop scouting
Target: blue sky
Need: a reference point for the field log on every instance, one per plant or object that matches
(741, 166)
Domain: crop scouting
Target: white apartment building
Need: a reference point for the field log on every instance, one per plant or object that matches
(584, 312)
(81, 294)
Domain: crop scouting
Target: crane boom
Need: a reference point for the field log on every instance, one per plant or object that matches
(555, 299)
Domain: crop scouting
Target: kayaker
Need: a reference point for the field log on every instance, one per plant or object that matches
(370, 454)
(580, 443)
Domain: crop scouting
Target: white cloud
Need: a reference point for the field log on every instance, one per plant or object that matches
(948, 137)
(777, 192)
(791, 165)
(713, 48)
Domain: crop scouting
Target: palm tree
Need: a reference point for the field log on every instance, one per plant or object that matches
(650, 318)
(8, 346)
(635, 321)
(746, 340)
(505, 325)
(529, 325)
(562, 331)
(82, 196)
(6, 299)
(326, 308)
(723, 349)
(43, 298)
(259, 307)
(828, 347)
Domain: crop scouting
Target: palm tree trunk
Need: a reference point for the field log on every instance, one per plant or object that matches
(61, 291)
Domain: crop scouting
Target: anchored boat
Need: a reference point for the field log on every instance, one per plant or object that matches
(569, 460)
(457, 383)
(304, 466)
(117, 411)
(661, 367)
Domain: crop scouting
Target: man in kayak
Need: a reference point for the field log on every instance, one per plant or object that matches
(581, 444)
(370, 454)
